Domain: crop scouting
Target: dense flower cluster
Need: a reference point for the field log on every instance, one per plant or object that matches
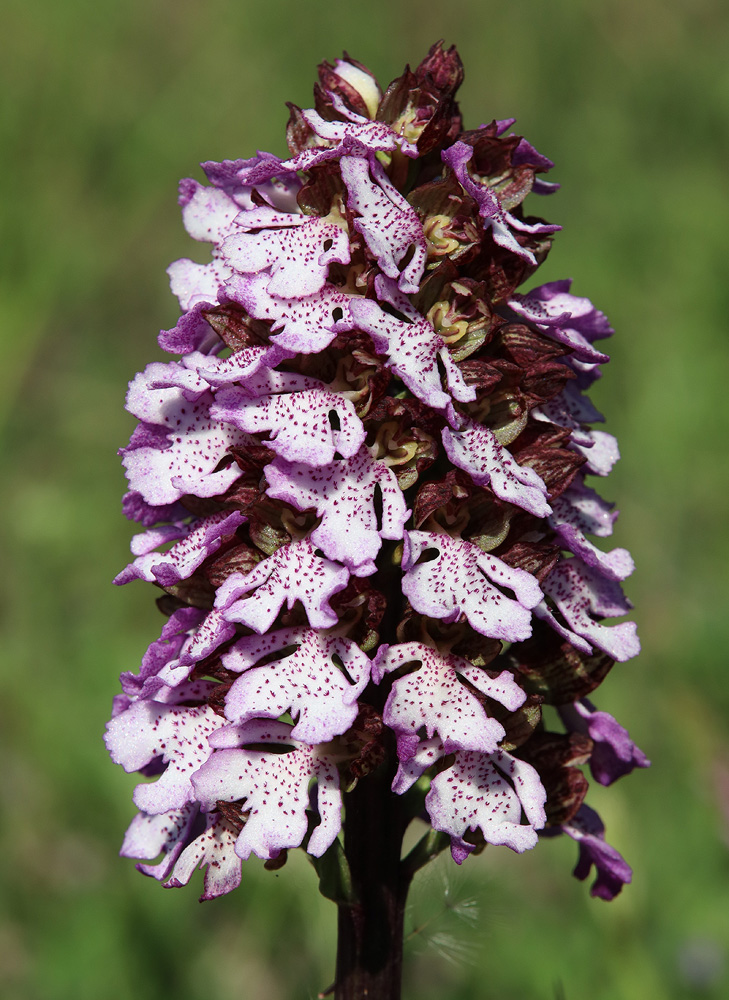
(364, 490)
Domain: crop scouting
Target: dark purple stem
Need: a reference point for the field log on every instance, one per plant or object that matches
(370, 930)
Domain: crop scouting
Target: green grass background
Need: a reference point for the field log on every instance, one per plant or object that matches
(104, 106)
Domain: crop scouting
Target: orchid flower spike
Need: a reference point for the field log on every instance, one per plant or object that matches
(365, 485)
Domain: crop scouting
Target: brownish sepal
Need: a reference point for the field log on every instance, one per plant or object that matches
(537, 558)
(299, 134)
(524, 346)
(274, 864)
(324, 184)
(547, 665)
(450, 637)
(195, 592)
(236, 328)
(556, 758)
(416, 103)
(249, 489)
(331, 81)
(543, 381)
(455, 487)
(360, 607)
(493, 161)
(542, 447)
(502, 270)
(236, 558)
(485, 375)
(519, 725)
(365, 742)
(216, 698)
(444, 67)
(232, 813)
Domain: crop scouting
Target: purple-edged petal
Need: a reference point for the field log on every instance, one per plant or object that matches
(413, 350)
(212, 632)
(305, 325)
(433, 697)
(593, 515)
(541, 186)
(492, 214)
(569, 319)
(475, 449)
(296, 258)
(161, 663)
(257, 173)
(465, 580)
(487, 792)
(574, 513)
(357, 137)
(195, 284)
(580, 594)
(306, 679)
(343, 494)
(179, 450)
(543, 612)
(239, 367)
(421, 754)
(373, 136)
(275, 790)
(388, 223)
(230, 175)
(298, 423)
(526, 153)
(181, 561)
(136, 509)
(208, 213)
(213, 850)
(179, 735)
(167, 833)
(148, 541)
(269, 383)
(537, 228)
(601, 452)
(192, 332)
(612, 871)
(189, 692)
(570, 409)
(614, 754)
(566, 318)
(146, 402)
(293, 573)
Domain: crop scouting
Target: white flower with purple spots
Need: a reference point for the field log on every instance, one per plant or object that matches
(343, 494)
(463, 580)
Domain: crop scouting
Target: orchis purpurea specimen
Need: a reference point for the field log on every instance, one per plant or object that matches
(364, 484)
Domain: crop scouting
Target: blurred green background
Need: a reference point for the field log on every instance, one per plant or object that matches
(104, 107)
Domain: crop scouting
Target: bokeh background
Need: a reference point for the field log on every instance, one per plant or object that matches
(104, 106)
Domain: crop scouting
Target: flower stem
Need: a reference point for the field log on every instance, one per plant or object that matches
(370, 930)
